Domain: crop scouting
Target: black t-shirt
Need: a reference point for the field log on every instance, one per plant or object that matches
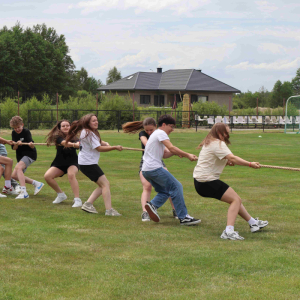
(143, 133)
(64, 156)
(24, 137)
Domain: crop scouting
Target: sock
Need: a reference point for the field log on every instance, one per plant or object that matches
(77, 199)
(61, 194)
(252, 221)
(35, 183)
(23, 189)
(229, 228)
(8, 184)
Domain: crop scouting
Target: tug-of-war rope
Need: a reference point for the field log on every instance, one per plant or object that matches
(137, 149)
(45, 144)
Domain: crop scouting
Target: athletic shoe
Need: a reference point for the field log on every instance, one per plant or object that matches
(77, 202)
(145, 216)
(260, 224)
(9, 191)
(231, 235)
(88, 207)
(23, 195)
(4, 196)
(152, 211)
(38, 188)
(188, 221)
(17, 189)
(60, 199)
(175, 214)
(112, 212)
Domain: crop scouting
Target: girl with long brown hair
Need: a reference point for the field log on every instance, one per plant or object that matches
(91, 145)
(149, 126)
(65, 162)
(213, 157)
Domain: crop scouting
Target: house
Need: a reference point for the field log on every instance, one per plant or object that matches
(162, 88)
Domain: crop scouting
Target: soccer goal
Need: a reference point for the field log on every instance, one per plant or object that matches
(292, 115)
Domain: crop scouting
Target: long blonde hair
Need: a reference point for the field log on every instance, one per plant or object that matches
(217, 132)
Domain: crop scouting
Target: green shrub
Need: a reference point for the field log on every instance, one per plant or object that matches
(9, 108)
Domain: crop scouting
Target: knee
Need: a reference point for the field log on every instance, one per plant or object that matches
(71, 176)
(238, 200)
(147, 188)
(1, 169)
(47, 177)
(10, 162)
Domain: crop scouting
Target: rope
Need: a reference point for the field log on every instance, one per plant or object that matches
(281, 168)
(45, 144)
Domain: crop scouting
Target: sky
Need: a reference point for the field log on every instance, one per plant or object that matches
(245, 44)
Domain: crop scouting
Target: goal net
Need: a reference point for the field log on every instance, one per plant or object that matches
(292, 115)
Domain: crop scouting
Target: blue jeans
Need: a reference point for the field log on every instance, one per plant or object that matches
(166, 185)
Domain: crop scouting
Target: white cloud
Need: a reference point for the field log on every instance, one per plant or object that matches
(277, 65)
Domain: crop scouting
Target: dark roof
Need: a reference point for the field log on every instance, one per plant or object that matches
(172, 80)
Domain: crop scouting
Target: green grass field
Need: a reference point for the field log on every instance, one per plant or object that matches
(52, 251)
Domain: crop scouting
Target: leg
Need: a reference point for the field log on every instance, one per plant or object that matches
(18, 173)
(147, 187)
(8, 162)
(49, 176)
(166, 185)
(72, 172)
(170, 197)
(236, 207)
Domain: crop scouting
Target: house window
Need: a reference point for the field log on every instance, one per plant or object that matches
(194, 98)
(159, 100)
(202, 99)
(145, 99)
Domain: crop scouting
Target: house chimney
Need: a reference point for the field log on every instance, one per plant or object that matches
(159, 70)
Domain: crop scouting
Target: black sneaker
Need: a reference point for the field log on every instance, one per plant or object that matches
(188, 221)
(175, 214)
(152, 211)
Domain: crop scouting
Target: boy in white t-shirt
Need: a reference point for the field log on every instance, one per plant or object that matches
(165, 184)
(214, 156)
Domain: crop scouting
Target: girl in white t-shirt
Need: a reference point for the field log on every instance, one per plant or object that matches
(213, 157)
(149, 125)
(90, 147)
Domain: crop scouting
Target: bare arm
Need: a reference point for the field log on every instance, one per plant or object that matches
(176, 151)
(239, 161)
(70, 145)
(167, 153)
(108, 148)
(4, 141)
(144, 140)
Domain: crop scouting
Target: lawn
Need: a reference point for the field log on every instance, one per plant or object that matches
(52, 251)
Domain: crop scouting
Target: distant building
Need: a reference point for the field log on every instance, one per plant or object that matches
(162, 88)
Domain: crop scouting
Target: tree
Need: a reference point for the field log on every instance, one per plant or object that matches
(281, 91)
(296, 83)
(34, 60)
(113, 75)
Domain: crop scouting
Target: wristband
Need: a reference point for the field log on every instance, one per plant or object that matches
(250, 164)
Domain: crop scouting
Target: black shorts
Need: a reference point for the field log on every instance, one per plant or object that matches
(141, 164)
(93, 172)
(65, 168)
(211, 189)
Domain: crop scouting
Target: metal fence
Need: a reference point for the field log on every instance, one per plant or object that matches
(108, 119)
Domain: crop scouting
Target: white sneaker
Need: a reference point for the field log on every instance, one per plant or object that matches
(38, 188)
(23, 195)
(2, 196)
(18, 189)
(60, 199)
(231, 235)
(258, 226)
(9, 191)
(77, 202)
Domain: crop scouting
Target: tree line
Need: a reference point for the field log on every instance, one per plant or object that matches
(36, 61)
(275, 98)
